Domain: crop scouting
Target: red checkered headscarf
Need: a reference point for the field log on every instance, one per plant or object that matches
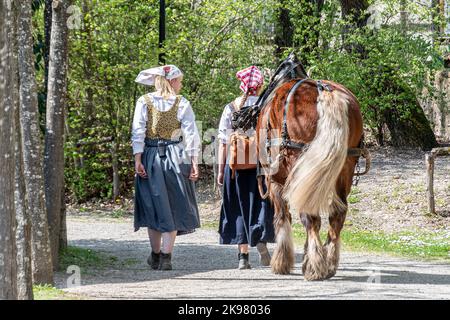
(251, 79)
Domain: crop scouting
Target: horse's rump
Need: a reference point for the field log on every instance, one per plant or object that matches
(302, 119)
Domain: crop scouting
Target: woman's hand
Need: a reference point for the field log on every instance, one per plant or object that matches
(140, 170)
(220, 178)
(194, 172)
(221, 161)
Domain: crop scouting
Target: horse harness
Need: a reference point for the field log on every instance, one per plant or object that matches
(287, 143)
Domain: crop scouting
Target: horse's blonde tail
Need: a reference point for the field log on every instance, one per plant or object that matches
(311, 185)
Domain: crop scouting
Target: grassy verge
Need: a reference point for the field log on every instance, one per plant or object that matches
(88, 261)
(417, 245)
(85, 259)
(51, 293)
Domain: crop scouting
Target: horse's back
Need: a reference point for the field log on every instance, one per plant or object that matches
(302, 115)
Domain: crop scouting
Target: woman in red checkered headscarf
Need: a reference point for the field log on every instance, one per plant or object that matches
(245, 218)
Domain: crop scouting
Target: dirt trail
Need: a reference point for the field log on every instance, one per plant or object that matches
(205, 270)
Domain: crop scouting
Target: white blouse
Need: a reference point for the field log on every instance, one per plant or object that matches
(185, 115)
(225, 128)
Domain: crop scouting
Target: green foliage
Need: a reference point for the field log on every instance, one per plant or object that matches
(214, 39)
(210, 40)
(389, 70)
(393, 73)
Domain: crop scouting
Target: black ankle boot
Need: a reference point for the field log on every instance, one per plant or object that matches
(165, 262)
(243, 261)
(154, 260)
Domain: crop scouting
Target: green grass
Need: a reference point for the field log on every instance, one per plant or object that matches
(119, 214)
(89, 259)
(214, 225)
(441, 202)
(420, 244)
(46, 292)
(419, 187)
(353, 199)
(417, 245)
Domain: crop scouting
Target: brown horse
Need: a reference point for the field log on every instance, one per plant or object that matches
(317, 124)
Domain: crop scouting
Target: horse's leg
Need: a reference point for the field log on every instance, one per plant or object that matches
(314, 263)
(333, 242)
(283, 258)
(337, 219)
(303, 219)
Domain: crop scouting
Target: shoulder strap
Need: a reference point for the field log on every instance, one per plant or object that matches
(148, 101)
(177, 101)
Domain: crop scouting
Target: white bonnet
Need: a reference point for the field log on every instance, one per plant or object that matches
(147, 77)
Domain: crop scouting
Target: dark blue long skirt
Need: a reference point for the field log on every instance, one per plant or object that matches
(245, 218)
(166, 200)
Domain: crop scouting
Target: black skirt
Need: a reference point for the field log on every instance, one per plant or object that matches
(245, 218)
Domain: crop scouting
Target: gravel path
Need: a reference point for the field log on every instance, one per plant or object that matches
(205, 270)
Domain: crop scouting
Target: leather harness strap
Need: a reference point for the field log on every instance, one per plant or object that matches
(287, 143)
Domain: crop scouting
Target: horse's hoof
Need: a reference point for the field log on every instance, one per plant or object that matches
(314, 273)
(313, 277)
(283, 270)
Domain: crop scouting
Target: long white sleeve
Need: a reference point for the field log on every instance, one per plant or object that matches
(189, 128)
(139, 126)
(225, 128)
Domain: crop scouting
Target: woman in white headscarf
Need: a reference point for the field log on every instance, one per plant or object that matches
(166, 144)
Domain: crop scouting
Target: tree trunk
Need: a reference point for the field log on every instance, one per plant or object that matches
(32, 152)
(293, 32)
(8, 262)
(47, 35)
(23, 231)
(284, 32)
(54, 137)
(415, 131)
(307, 34)
(355, 14)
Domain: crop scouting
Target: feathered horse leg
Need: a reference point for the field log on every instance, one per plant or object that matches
(337, 218)
(283, 258)
(314, 263)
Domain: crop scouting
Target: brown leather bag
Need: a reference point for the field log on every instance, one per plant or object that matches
(242, 151)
